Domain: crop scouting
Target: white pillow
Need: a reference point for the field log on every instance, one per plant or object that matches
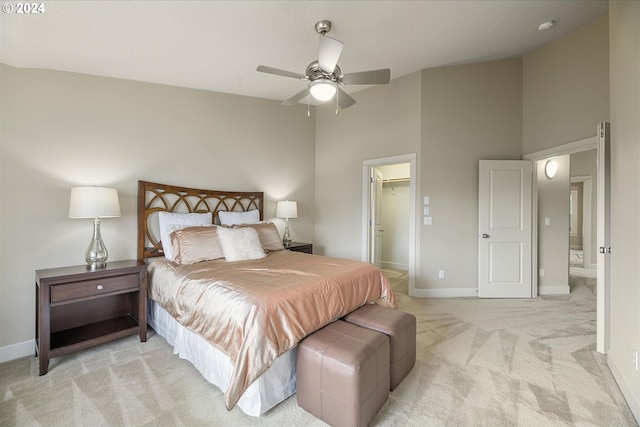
(235, 218)
(268, 235)
(170, 221)
(240, 244)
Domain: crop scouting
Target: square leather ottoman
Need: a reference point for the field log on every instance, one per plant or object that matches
(343, 374)
(401, 329)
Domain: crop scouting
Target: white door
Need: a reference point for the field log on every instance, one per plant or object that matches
(604, 243)
(376, 218)
(505, 227)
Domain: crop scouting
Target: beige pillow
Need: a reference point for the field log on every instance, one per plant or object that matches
(240, 243)
(268, 234)
(195, 244)
(169, 221)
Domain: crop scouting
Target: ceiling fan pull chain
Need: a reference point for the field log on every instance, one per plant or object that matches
(308, 112)
(337, 94)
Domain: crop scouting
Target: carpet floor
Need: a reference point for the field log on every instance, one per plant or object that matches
(480, 362)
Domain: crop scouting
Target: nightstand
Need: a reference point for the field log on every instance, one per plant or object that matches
(307, 248)
(77, 308)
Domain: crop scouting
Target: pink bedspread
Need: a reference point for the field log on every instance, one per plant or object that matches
(256, 310)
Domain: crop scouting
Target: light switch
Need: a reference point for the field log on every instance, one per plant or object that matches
(426, 200)
(426, 210)
(428, 220)
(547, 221)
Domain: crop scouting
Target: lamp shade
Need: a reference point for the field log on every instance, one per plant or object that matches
(287, 209)
(94, 202)
(322, 90)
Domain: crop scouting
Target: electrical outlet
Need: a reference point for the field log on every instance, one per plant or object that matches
(441, 274)
(542, 272)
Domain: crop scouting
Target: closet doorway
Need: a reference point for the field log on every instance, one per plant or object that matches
(389, 231)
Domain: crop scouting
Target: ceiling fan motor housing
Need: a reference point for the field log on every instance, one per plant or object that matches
(323, 27)
(315, 73)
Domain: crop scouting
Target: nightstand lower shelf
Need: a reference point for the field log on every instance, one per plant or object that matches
(86, 336)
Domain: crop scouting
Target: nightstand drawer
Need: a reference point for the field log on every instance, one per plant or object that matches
(90, 288)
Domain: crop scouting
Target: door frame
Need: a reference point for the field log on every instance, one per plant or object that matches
(602, 289)
(414, 232)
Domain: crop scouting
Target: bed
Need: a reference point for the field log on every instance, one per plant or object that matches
(230, 299)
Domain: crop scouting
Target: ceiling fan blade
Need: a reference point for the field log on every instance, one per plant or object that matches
(329, 53)
(344, 100)
(279, 72)
(373, 77)
(296, 98)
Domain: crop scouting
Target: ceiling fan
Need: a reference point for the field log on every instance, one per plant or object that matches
(324, 75)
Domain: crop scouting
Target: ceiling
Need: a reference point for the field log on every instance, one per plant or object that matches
(217, 45)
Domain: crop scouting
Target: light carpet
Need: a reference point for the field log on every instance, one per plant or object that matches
(479, 363)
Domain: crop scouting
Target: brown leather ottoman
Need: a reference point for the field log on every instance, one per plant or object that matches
(401, 329)
(343, 374)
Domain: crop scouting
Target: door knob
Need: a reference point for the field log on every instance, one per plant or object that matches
(485, 236)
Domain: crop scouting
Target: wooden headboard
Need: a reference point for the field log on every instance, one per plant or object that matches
(154, 198)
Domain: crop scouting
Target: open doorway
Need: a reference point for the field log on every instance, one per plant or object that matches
(600, 143)
(389, 204)
(582, 213)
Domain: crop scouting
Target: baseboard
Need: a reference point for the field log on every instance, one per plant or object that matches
(445, 293)
(16, 351)
(554, 290)
(395, 265)
(627, 391)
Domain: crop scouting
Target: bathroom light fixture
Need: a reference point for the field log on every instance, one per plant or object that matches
(550, 169)
(286, 209)
(322, 90)
(546, 25)
(96, 203)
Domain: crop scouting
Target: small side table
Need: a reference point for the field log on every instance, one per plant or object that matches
(77, 308)
(307, 248)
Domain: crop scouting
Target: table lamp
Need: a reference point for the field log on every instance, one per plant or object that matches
(96, 203)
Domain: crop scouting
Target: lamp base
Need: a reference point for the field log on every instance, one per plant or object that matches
(286, 239)
(96, 266)
(96, 254)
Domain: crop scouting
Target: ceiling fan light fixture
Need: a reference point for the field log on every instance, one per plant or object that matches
(322, 90)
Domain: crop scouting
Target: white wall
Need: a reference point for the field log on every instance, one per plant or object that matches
(584, 164)
(395, 223)
(624, 39)
(61, 130)
(395, 216)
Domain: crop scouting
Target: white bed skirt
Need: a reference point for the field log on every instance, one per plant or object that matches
(275, 385)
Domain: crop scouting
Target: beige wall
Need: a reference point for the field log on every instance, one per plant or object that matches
(566, 88)
(624, 39)
(469, 113)
(385, 122)
(61, 130)
(553, 239)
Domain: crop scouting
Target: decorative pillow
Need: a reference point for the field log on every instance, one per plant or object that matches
(195, 244)
(268, 234)
(234, 218)
(240, 244)
(170, 221)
